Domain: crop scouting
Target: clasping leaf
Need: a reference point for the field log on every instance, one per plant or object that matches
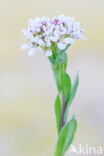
(66, 137)
(72, 95)
(58, 113)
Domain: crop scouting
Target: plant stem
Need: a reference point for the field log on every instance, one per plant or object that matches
(63, 108)
(59, 64)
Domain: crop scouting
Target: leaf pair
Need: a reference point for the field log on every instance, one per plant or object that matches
(66, 135)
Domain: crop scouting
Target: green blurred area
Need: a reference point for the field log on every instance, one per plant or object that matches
(27, 87)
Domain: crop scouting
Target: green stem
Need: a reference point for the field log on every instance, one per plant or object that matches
(59, 63)
(63, 109)
(62, 98)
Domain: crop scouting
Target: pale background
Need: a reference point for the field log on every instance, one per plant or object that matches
(27, 87)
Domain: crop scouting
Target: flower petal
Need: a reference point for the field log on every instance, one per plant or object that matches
(40, 49)
(48, 53)
(24, 46)
(32, 51)
(68, 40)
(61, 45)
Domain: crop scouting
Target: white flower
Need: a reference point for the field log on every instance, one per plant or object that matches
(61, 45)
(53, 38)
(63, 30)
(48, 53)
(83, 37)
(24, 46)
(32, 51)
(28, 34)
(41, 50)
(38, 30)
(41, 43)
(46, 32)
(48, 44)
(56, 33)
(47, 41)
(35, 39)
(68, 40)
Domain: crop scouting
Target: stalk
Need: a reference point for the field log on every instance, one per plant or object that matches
(63, 109)
(59, 65)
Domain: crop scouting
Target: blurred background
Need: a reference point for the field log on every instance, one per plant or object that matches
(27, 87)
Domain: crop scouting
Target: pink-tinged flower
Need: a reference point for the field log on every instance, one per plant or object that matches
(45, 33)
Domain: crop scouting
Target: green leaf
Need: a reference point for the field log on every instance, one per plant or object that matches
(62, 59)
(58, 113)
(63, 82)
(58, 78)
(66, 137)
(66, 85)
(59, 56)
(62, 51)
(51, 59)
(72, 95)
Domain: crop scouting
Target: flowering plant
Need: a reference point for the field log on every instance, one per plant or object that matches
(53, 36)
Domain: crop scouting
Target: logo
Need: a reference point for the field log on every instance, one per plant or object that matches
(73, 149)
(86, 150)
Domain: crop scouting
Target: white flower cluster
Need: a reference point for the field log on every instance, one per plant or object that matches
(47, 33)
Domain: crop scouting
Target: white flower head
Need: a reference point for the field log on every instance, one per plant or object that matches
(43, 33)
